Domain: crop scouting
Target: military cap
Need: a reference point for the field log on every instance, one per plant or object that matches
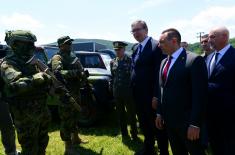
(119, 44)
(64, 40)
(19, 35)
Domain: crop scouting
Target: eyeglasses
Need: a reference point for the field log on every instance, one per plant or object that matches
(136, 30)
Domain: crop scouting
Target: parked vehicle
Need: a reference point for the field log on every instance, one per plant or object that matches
(110, 52)
(87, 46)
(99, 77)
(4, 49)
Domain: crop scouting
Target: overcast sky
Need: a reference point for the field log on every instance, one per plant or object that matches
(109, 19)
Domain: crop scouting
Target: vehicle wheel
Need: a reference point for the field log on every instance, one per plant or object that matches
(89, 111)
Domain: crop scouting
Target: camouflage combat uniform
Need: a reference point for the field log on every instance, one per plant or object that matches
(120, 69)
(26, 91)
(71, 74)
(6, 125)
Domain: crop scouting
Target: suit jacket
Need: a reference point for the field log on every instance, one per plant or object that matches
(145, 70)
(184, 95)
(221, 88)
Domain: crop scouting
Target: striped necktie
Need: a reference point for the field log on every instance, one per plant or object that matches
(166, 69)
(213, 62)
(138, 53)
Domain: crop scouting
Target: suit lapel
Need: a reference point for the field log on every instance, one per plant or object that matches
(145, 50)
(219, 66)
(176, 66)
(160, 72)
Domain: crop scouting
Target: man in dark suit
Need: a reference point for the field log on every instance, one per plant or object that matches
(183, 88)
(221, 87)
(207, 55)
(146, 61)
(206, 48)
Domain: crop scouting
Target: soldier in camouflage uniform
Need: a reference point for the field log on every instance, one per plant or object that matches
(120, 69)
(26, 91)
(72, 75)
(6, 125)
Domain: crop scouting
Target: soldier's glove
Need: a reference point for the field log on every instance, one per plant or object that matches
(41, 78)
(21, 85)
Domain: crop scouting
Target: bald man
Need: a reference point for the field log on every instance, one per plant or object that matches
(221, 96)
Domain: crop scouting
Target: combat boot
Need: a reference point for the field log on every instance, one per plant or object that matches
(70, 149)
(76, 140)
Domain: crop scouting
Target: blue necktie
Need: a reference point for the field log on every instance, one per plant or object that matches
(213, 62)
(138, 53)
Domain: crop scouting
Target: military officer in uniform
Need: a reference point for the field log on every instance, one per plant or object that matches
(121, 69)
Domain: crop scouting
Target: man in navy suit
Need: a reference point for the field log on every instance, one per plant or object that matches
(221, 87)
(183, 95)
(146, 60)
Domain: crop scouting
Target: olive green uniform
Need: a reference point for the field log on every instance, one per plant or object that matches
(62, 64)
(26, 91)
(6, 125)
(121, 69)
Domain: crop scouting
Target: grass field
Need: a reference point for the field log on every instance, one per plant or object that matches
(104, 139)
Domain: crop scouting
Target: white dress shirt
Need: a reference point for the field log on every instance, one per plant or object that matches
(219, 57)
(144, 42)
(174, 56)
(208, 59)
(222, 52)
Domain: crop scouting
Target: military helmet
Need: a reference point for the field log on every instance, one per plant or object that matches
(64, 40)
(19, 35)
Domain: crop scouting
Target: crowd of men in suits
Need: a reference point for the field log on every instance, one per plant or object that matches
(181, 97)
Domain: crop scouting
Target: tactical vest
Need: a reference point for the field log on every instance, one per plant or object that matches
(73, 84)
(27, 71)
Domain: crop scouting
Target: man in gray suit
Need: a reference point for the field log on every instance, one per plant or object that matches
(183, 89)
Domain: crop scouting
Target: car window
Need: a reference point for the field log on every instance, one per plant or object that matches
(50, 52)
(91, 61)
(106, 58)
(111, 53)
(41, 56)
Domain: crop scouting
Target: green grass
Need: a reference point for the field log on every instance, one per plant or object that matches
(104, 138)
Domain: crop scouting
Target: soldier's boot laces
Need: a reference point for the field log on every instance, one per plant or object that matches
(70, 149)
(76, 140)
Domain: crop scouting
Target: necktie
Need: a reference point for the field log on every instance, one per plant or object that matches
(213, 62)
(166, 69)
(138, 53)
